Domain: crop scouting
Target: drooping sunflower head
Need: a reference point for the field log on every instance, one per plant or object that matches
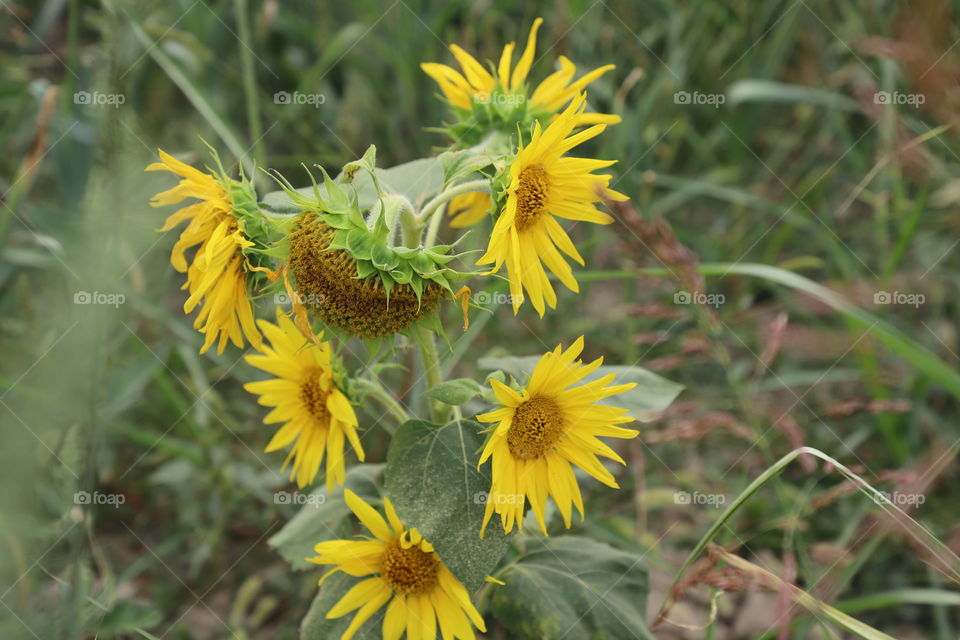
(546, 185)
(348, 269)
(223, 225)
(401, 570)
(307, 397)
(545, 428)
(499, 100)
(339, 280)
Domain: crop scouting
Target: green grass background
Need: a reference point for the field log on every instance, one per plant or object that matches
(800, 168)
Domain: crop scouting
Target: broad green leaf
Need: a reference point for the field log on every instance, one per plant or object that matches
(645, 402)
(433, 481)
(416, 180)
(324, 516)
(316, 626)
(455, 392)
(573, 588)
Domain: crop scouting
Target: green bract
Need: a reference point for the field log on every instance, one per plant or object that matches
(497, 114)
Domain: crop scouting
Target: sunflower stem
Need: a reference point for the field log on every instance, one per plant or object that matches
(474, 186)
(249, 81)
(431, 371)
(381, 395)
(411, 227)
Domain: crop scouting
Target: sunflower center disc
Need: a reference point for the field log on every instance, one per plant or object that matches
(409, 571)
(536, 427)
(531, 195)
(313, 396)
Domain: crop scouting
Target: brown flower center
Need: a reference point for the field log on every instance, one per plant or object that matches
(328, 285)
(531, 195)
(536, 427)
(312, 395)
(409, 571)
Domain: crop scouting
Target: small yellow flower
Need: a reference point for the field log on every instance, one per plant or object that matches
(216, 277)
(477, 84)
(543, 430)
(546, 185)
(468, 209)
(405, 574)
(317, 416)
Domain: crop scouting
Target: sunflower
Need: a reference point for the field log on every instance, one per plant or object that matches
(544, 185)
(476, 84)
(402, 569)
(468, 209)
(329, 284)
(216, 277)
(315, 412)
(543, 430)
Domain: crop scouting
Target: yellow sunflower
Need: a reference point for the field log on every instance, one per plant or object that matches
(316, 414)
(476, 83)
(402, 569)
(468, 209)
(545, 185)
(216, 277)
(543, 430)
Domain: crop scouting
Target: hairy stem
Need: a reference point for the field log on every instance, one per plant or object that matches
(431, 371)
(474, 186)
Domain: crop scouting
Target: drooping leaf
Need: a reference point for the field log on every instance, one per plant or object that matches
(573, 588)
(433, 481)
(645, 402)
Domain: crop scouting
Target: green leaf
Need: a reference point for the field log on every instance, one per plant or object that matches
(645, 402)
(316, 626)
(455, 392)
(324, 516)
(573, 588)
(433, 481)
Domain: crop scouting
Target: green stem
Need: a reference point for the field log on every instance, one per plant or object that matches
(432, 231)
(249, 80)
(431, 371)
(411, 228)
(474, 186)
(378, 393)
